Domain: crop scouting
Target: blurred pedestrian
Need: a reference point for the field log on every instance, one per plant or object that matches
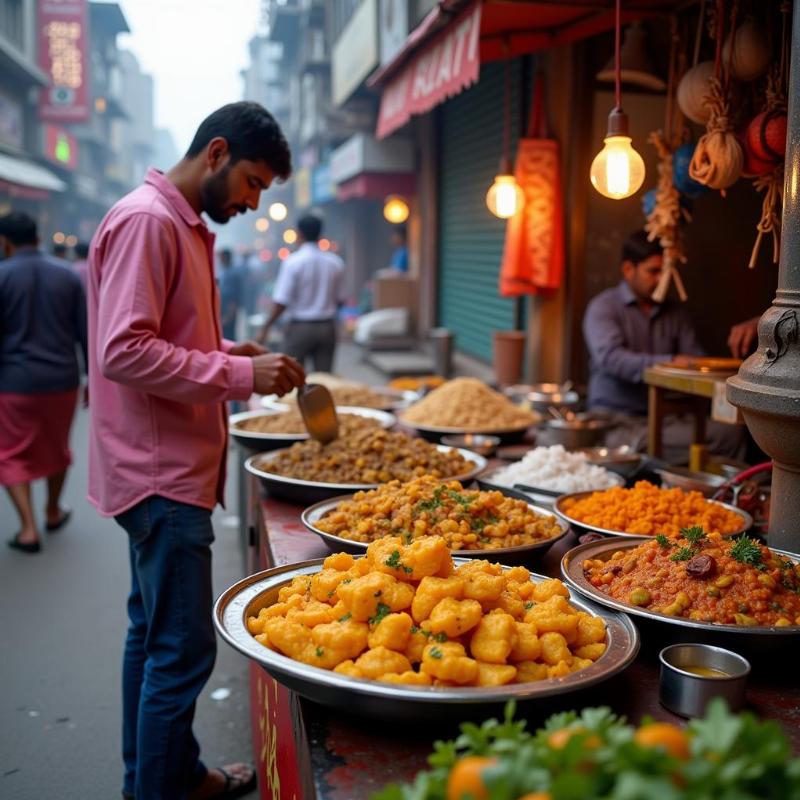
(42, 321)
(159, 375)
(399, 259)
(81, 262)
(229, 280)
(310, 289)
(60, 251)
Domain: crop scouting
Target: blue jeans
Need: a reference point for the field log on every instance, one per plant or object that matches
(170, 648)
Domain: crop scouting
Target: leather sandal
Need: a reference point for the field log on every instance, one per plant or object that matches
(235, 786)
(52, 527)
(24, 547)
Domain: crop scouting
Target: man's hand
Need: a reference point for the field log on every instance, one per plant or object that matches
(742, 336)
(248, 348)
(276, 373)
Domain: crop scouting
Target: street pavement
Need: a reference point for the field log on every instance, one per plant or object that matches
(62, 628)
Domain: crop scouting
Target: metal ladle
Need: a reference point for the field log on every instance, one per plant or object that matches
(318, 411)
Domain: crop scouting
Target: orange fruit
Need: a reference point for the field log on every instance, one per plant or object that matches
(536, 796)
(558, 739)
(673, 739)
(466, 778)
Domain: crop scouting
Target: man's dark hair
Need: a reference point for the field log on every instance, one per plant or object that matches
(19, 228)
(637, 247)
(60, 250)
(400, 230)
(251, 132)
(82, 249)
(310, 227)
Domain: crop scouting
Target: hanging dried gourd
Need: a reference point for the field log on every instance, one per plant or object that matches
(766, 142)
(718, 157)
(663, 222)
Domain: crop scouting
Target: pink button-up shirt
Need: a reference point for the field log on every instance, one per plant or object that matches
(158, 367)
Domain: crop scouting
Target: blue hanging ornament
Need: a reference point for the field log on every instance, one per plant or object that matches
(649, 202)
(681, 179)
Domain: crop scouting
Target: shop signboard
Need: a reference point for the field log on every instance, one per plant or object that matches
(361, 153)
(355, 52)
(323, 189)
(449, 64)
(393, 25)
(63, 55)
(302, 187)
(60, 146)
(10, 121)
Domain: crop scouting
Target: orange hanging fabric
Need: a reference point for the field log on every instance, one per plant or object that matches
(533, 256)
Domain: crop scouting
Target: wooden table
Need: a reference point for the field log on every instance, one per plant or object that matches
(697, 390)
(304, 751)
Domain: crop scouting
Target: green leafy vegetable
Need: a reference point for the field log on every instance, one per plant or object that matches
(380, 612)
(345, 617)
(320, 652)
(394, 560)
(435, 652)
(663, 542)
(747, 551)
(683, 554)
(695, 534)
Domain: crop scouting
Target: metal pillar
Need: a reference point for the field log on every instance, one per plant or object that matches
(767, 387)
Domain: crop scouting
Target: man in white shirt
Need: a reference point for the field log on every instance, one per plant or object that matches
(310, 289)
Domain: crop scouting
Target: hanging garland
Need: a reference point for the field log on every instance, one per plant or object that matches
(718, 157)
(663, 222)
(767, 135)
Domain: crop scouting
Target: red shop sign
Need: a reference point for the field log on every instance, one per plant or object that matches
(63, 46)
(449, 64)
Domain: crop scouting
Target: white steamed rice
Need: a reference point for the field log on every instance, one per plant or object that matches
(555, 469)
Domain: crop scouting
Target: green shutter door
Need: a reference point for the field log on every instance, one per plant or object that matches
(470, 237)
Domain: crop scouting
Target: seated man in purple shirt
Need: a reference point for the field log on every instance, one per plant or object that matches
(626, 331)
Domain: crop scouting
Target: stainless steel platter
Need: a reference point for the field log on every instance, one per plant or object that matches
(300, 491)
(504, 555)
(583, 527)
(434, 434)
(264, 442)
(396, 399)
(665, 627)
(486, 480)
(390, 701)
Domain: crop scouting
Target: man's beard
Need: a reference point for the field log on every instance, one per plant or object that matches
(214, 197)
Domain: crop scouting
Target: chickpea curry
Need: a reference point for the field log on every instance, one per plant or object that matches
(704, 577)
(405, 614)
(466, 519)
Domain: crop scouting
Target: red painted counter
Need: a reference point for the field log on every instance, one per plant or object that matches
(306, 751)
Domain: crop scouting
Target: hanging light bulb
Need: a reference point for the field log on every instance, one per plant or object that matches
(617, 170)
(395, 209)
(505, 196)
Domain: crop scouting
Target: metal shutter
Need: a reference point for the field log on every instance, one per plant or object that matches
(471, 238)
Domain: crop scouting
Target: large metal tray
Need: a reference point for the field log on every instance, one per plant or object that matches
(583, 527)
(264, 442)
(486, 480)
(396, 399)
(434, 434)
(504, 555)
(664, 627)
(388, 701)
(304, 492)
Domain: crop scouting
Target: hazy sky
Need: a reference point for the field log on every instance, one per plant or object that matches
(194, 49)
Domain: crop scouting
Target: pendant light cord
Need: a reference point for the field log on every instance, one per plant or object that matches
(506, 106)
(617, 57)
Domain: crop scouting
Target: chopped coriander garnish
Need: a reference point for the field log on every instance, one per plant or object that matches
(459, 498)
(347, 580)
(415, 629)
(320, 652)
(663, 542)
(381, 611)
(407, 570)
(747, 551)
(330, 593)
(345, 617)
(695, 534)
(394, 560)
(440, 637)
(529, 605)
(683, 554)
(435, 652)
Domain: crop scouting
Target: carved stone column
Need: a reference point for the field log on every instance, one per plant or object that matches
(767, 387)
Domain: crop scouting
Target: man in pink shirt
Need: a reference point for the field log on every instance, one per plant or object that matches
(159, 373)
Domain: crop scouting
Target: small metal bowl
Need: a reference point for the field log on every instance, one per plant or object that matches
(685, 692)
(480, 443)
